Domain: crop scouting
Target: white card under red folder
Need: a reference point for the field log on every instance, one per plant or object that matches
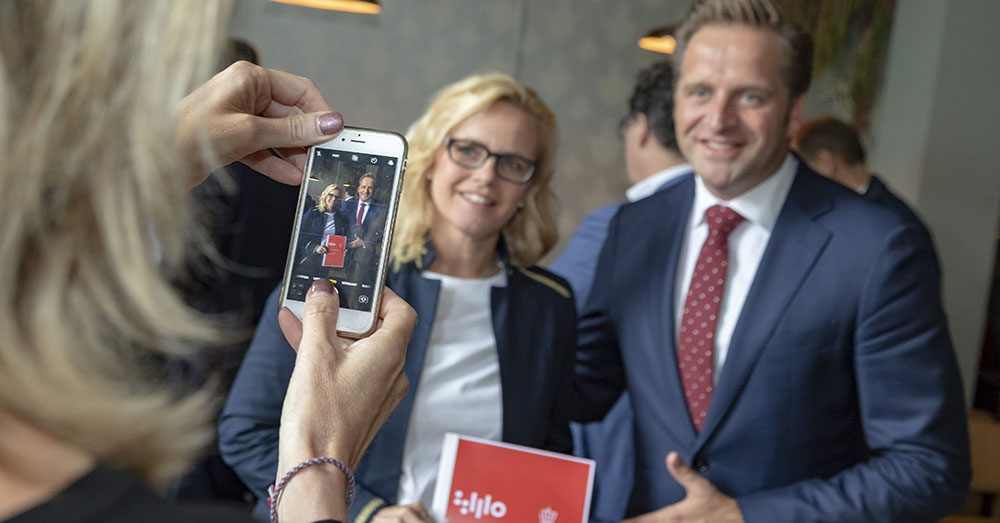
(485, 481)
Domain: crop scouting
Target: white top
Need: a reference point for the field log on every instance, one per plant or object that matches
(648, 185)
(459, 388)
(760, 207)
(330, 228)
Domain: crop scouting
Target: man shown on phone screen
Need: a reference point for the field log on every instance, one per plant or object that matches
(367, 221)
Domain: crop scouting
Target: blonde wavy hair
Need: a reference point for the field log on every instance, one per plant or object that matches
(93, 222)
(532, 231)
(321, 203)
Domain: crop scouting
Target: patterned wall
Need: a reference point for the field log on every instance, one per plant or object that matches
(380, 70)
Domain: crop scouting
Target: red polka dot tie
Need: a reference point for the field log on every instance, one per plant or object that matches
(696, 342)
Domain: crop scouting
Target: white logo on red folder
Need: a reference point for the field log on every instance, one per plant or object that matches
(479, 506)
(481, 481)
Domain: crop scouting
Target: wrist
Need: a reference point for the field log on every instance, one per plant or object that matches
(318, 488)
(316, 493)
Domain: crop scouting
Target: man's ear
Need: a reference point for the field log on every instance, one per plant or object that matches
(642, 130)
(796, 115)
(826, 163)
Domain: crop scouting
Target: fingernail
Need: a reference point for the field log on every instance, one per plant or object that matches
(322, 286)
(331, 123)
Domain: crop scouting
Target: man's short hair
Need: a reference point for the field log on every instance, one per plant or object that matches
(653, 97)
(833, 135)
(367, 175)
(764, 14)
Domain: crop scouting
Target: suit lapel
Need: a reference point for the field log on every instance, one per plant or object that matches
(794, 246)
(422, 295)
(508, 358)
(664, 243)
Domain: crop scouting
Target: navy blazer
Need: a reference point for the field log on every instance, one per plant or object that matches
(371, 226)
(840, 398)
(312, 230)
(534, 323)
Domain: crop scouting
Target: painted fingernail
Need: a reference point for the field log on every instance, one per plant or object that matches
(322, 286)
(331, 123)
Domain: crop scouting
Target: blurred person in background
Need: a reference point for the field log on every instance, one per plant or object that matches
(833, 148)
(492, 353)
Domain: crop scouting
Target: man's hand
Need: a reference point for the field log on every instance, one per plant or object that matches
(357, 242)
(320, 249)
(412, 513)
(245, 110)
(703, 503)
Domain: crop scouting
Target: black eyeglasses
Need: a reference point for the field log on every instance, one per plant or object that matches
(472, 155)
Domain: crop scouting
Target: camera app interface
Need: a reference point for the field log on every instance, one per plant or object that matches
(343, 221)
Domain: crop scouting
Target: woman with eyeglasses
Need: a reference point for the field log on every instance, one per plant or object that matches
(492, 352)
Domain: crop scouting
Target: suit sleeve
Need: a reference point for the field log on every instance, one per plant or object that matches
(249, 425)
(599, 374)
(578, 262)
(911, 406)
(308, 236)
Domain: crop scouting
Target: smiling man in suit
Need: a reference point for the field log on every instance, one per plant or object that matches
(367, 221)
(776, 330)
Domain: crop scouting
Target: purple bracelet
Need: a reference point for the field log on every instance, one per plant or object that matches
(275, 490)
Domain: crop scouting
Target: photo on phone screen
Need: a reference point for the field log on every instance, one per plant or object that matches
(342, 228)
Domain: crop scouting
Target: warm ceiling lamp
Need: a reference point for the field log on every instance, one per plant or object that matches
(350, 6)
(659, 40)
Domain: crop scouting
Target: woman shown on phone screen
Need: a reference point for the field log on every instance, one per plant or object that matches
(492, 353)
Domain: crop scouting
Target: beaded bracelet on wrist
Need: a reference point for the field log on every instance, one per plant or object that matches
(274, 491)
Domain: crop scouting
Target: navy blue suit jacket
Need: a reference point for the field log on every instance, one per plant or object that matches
(370, 229)
(840, 398)
(534, 324)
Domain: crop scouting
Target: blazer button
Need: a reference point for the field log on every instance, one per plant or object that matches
(699, 464)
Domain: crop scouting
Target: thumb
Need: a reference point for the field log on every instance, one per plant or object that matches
(319, 316)
(295, 130)
(688, 478)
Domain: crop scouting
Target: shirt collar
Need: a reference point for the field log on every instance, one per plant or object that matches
(648, 185)
(760, 205)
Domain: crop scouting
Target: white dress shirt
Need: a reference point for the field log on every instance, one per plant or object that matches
(760, 207)
(459, 389)
(648, 185)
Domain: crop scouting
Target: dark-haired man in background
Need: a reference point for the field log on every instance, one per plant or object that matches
(652, 163)
(775, 330)
(833, 148)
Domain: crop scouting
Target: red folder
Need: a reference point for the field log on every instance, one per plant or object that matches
(336, 246)
(483, 481)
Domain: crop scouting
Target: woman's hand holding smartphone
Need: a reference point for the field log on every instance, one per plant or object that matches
(343, 228)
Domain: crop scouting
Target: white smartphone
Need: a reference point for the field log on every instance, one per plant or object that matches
(343, 227)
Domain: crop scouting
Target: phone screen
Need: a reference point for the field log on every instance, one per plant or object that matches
(342, 226)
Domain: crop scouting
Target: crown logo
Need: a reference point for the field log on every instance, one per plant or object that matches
(547, 515)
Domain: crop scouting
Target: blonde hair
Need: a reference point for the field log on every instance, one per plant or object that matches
(321, 203)
(532, 231)
(92, 222)
(761, 14)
